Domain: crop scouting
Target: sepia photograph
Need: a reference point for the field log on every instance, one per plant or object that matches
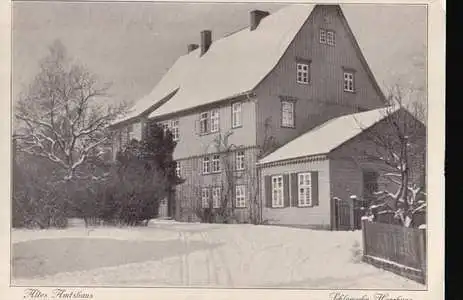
(219, 145)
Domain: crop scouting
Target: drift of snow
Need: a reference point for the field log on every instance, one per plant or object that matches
(209, 255)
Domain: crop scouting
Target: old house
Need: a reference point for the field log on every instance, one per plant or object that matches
(230, 101)
(303, 180)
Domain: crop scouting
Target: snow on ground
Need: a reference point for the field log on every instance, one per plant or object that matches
(197, 255)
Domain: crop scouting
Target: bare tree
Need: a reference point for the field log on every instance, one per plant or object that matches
(62, 115)
(400, 146)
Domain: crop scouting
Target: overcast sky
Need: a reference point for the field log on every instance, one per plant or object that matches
(132, 45)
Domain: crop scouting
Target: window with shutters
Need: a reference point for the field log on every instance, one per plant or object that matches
(206, 165)
(287, 114)
(216, 163)
(215, 120)
(240, 196)
(205, 197)
(175, 130)
(236, 115)
(239, 160)
(304, 189)
(277, 191)
(349, 81)
(216, 196)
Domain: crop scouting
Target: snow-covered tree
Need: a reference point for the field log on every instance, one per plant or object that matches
(63, 116)
(399, 144)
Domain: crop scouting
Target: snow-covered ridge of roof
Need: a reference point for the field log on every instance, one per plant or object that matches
(328, 136)
(235, 64)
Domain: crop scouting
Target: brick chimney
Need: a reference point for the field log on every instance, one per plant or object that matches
(206, 40)
(256, 17)
(192, 47)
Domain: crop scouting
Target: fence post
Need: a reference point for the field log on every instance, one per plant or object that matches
(351, 214)
(364, 236)
(422, 252)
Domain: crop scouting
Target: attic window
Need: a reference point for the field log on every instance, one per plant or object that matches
(349, 81)
(327, 37)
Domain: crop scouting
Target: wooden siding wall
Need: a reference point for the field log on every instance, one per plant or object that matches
(316, 216)
(347, 165)
(188, 194)
(192, 143)
(324, 97)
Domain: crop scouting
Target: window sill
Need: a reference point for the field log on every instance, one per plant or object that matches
(237, 127)
(277, 207)
(304, 206)
(350, 92)
(208, 133)
(303, 83)
(287, 126)
(240, 207)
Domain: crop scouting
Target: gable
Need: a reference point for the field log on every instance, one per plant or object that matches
(326, 65)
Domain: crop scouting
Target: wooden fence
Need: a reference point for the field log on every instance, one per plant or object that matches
(395, 248)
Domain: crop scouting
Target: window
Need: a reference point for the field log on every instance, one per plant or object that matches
(240, 160)
(302, 73)
(215, 120)
(327, 37)
(236, 114)
(206, 165)
(240, 196)
(277, 191)
(216, 163)
(175, 130)
(177, 169)
(348, 81)
(204, 123)
(216, 196)
(330, 37)
(304, 189)
(287, 114)
(322, 36)
(205, 198)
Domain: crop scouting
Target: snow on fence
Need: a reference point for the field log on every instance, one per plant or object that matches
(399, 249)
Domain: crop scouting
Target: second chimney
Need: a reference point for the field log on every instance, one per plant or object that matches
(192, 47)
(256, 17)
(206, 40)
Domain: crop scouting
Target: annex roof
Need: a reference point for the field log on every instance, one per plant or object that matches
(328, 136)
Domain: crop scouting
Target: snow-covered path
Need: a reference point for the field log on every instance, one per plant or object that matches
(197, 255)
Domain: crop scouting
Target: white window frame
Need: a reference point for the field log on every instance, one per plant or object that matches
(216, 196)
(330, 37)
(239, 159)
(215, 120)
(177, 169)
(174, 128)
(349, 81)
(205, 197)
(304, 189)
(215, 165)
(278, 191)
(287, 116)
(302, 72)
(204, 118)
(322, 34)
(240, 196)
(237, 114)
(206, 165)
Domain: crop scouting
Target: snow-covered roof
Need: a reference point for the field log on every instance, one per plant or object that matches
(235, 64)
(232, 66)
(328, 136)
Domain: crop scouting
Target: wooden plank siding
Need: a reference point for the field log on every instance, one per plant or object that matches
(317, 216)
(188, 194)
(324, 97)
